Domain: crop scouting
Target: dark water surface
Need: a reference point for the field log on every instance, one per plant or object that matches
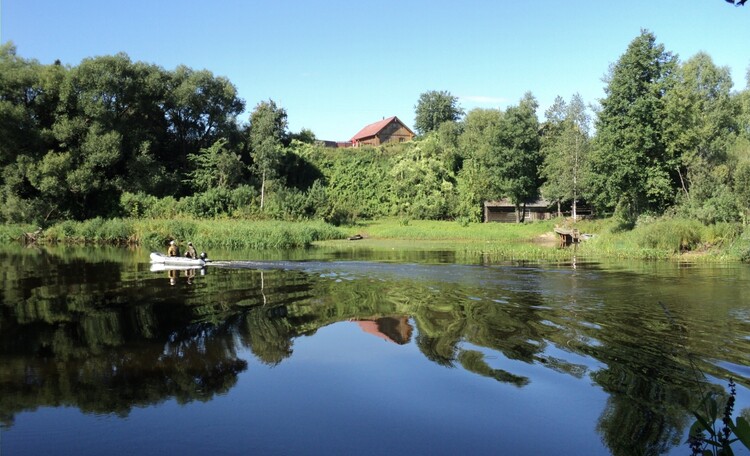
(356, 352)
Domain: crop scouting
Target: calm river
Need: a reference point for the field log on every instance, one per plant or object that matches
(355, 352)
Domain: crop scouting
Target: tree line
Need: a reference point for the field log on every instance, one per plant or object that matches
(115, 138)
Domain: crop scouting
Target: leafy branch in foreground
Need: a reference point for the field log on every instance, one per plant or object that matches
(720, 436)
(719, 440)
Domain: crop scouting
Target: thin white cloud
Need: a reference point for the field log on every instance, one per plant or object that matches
(482, 100)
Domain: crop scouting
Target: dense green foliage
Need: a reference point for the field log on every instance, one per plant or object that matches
(565, 148)
(434, 108)
(630, 166)
(117, 139)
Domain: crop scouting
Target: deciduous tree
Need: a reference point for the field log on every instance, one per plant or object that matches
(477, 179)
(519, 153)
(699, 116)
(201, 108)
(433, 108)
(630, 163)
(215, 167)
(565, 148)
(268, 132)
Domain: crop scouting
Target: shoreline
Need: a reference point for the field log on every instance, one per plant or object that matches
(669, 239)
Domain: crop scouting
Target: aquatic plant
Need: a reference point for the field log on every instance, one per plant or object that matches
(722, 430)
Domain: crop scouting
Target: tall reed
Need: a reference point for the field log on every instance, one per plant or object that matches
(156, 233)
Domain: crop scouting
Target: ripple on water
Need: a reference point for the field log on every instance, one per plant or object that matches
(737, 369)
(589, 324)
(551, 324)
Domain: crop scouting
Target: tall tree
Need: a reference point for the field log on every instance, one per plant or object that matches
(435, 107)
(21, 120)
(629, 163)
(481, 164)
(565, 146)
(501, 156)
(700, 116)
(108, 123)
(743, 102)
(268, 133)
(201, 108)
(113, 94)
(519, 153)
(700, 127)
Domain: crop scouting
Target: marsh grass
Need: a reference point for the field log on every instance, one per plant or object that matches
(263, 235)
(666, 238)
(206, 234)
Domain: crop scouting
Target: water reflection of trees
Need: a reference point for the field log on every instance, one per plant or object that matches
(106, 341)
(648, 374)
(86, 337)
(79, 334)
(649, 385)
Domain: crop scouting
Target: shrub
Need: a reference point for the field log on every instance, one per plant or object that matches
(14, 232)
(137, 205)
(163, 208)
(673, 235)
(63, 232)
(92, 229)
(722, 233)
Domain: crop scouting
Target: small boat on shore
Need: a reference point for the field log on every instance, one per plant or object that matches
(160, 258)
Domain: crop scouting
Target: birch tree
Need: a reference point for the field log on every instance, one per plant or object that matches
(565, 148)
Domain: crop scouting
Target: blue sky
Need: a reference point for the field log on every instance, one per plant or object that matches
(336, 66)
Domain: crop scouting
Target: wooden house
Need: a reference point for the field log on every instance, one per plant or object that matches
(382, 132)
(505, 211)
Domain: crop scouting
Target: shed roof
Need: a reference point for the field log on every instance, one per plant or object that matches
(505, 202)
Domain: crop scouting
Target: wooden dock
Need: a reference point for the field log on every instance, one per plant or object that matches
(568, 236)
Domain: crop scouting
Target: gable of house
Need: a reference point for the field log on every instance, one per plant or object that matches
(382, 132)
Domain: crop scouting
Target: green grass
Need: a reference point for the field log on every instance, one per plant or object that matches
(652, 238)
(489, 241)
(426, 230)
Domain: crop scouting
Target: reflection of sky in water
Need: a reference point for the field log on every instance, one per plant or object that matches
(533, 350)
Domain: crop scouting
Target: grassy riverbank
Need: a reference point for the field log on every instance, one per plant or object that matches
(663, 238)
(226, 234)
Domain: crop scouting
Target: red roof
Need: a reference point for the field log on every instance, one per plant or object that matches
(371, 327)
(374, 128)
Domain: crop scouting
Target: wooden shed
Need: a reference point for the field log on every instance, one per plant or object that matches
(384, 131)
(505, 211)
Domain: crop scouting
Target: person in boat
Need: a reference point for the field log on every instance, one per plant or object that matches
(173, 250)
(191, 253)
